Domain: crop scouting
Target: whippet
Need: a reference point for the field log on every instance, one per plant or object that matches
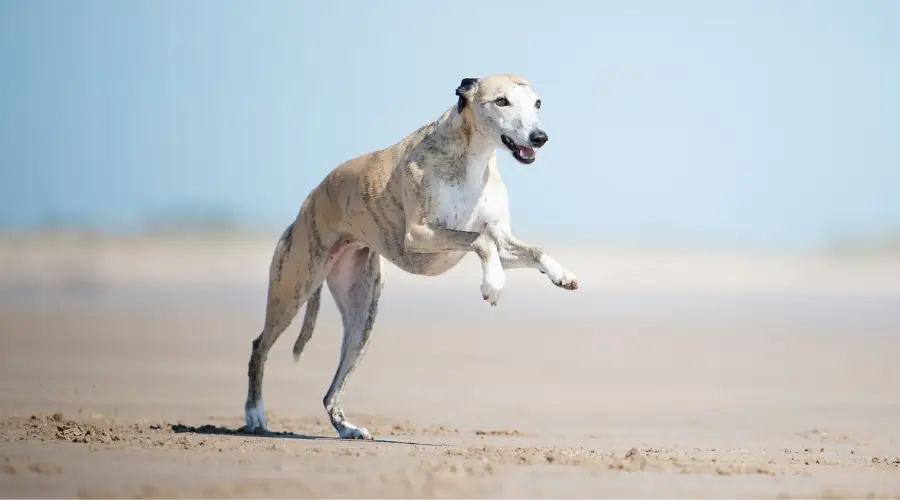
(422, 204)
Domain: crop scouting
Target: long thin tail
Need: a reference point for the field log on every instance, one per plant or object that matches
(309, 322)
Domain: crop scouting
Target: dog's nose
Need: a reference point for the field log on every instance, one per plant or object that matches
(538, 138)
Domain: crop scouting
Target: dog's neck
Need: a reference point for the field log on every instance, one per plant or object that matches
(468, 152)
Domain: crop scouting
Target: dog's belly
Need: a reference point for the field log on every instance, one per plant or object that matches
(442, 262)
(425, 264)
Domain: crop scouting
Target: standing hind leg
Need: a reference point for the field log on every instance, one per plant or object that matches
(297, 269)
(355, 282)
(278, 317)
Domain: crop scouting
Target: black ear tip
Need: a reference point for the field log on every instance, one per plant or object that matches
(466, 85)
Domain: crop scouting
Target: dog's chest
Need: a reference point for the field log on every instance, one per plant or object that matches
(461, 207)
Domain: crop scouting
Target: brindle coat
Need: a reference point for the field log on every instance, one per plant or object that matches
(422, 204)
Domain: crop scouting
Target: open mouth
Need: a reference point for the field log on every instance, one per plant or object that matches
(523, 154)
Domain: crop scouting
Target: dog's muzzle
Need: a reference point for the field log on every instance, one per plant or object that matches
(525, 154)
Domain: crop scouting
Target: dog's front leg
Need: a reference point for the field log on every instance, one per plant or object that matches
(423, 238)
(515, 253)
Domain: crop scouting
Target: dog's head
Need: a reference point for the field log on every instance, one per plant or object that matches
(504, 109)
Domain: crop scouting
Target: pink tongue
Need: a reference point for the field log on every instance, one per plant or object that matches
(526, 152)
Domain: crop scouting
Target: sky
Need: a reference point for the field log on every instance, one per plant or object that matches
(765, 124)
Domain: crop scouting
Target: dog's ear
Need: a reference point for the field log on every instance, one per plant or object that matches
(465, 91)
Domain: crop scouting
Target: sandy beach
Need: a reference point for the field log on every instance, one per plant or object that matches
(668, 374)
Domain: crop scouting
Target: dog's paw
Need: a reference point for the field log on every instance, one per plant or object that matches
(255, 418)
(350, 431)
(567, 281)
(558, 275)
(492, 285)
(489, 294)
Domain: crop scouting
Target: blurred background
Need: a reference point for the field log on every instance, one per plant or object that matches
(172, 141)
(753, 124)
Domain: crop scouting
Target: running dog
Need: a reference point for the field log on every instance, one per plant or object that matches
(422, 204)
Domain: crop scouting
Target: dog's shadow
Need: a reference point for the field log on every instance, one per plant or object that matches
(218, 430)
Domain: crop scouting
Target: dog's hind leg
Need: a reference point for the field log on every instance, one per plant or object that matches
(297, 270)
(355, 282)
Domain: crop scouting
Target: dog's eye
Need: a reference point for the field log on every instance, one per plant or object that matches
(537, 104)
(501, 101)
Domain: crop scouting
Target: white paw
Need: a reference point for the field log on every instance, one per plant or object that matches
(567, 280)
(559, 275)
(347, 430)
(255, 417)
(492, 283)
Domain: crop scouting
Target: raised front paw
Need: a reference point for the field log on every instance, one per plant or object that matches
(559, 275)
(567, 281)
(492, 285)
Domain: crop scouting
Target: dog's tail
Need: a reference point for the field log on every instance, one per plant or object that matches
(309, 322)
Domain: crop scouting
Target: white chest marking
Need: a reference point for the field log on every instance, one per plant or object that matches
(461, 207)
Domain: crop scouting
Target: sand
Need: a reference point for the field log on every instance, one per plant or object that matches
(669, 374)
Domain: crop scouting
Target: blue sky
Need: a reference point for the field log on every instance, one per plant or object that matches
(760, 123)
